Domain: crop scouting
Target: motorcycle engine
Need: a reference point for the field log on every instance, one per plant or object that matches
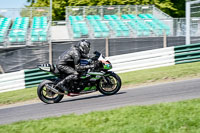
(76, 87)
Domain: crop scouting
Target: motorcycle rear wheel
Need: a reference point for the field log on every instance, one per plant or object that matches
(46, 95)
(112, 87)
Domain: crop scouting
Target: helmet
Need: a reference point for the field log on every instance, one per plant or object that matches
(84, 46)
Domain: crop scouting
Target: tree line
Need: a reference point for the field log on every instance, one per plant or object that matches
(175, 8)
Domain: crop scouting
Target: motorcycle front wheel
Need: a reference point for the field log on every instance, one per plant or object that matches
(109, 85)
(46, 95)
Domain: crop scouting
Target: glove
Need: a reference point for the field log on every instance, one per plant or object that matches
(95, 58)
(97, 54)
(78, 67)
(96, 64)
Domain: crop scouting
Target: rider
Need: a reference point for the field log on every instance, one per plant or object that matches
(69, 62)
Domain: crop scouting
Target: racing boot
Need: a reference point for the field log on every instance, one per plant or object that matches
(61, 86)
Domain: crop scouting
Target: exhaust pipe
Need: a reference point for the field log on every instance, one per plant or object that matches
(53, 89)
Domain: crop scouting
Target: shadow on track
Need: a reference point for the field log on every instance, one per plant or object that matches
(90, 97)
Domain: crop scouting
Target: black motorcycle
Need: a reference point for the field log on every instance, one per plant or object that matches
(90, 80)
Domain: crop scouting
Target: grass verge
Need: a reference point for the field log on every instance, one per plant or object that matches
(17, 96)
(169, 73)
(178, 117)
(134, 78)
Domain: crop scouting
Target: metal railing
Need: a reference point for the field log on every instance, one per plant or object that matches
(25, 12)
(113, 9)
(27, 38)
(177, 27)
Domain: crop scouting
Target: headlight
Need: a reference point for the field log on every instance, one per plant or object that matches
(107, 66)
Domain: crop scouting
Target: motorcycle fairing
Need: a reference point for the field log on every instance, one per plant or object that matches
(45, 67)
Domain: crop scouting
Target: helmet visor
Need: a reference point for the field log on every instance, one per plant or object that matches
(86, 49)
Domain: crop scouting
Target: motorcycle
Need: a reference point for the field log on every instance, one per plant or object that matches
(90, 80)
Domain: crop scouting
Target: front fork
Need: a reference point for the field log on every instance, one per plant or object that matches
(106, 80)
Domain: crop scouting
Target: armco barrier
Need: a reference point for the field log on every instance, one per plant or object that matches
(22, 79)
(34, 76)
(143, 60)
(121, 63)
(12, 81)
(187, 53)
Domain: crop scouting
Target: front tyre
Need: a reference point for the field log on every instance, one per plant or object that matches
(46, 95)
(110, 84)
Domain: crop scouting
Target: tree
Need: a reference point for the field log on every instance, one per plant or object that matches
(175, 8)
(31, 1)
(58, 7)
(34, 12)
(179, 5)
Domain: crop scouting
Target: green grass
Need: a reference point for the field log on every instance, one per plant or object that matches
(178, 117)
(17, 96)
(189, 70)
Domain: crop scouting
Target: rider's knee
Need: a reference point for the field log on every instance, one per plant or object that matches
(75, 73)
(74, 77)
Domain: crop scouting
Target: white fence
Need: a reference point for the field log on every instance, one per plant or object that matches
(143, 60)
(12, 81)
(121, 63)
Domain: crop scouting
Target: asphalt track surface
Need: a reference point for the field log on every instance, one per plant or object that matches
(167, 92)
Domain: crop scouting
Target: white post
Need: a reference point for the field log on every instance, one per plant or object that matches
(31, 12)
(84, 15)
(51, 11)
(188, 12)
(107, 48)
(50, 53)
(102, 13)
(1, 69)
(187, 36)
(164, 39)
(50, 44)
(136, 10)
(119, 11)
(66, 14)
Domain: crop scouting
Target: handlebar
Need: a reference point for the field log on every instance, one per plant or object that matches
(97, 55)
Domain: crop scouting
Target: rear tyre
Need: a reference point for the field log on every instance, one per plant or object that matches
(46, 95)
(109, 85)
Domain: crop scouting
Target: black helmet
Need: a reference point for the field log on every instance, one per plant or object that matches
(84, 46)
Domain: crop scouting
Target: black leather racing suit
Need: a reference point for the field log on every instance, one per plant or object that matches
(68, 63)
